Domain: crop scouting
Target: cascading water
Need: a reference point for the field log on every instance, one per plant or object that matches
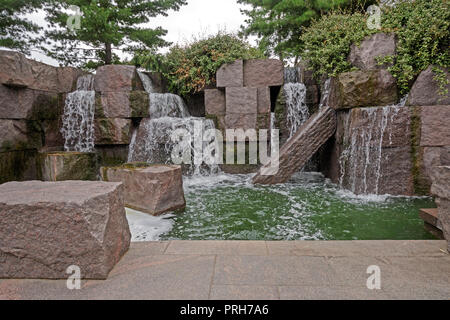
(78, 118)
(85, 83)
(295, 95)
(146, 82)
(361, 160)
(297, 110)
(167, 105)
(152, 141)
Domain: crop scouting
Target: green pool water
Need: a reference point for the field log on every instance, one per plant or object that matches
(229, 207)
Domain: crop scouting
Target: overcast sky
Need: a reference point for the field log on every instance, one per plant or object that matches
(198, 17)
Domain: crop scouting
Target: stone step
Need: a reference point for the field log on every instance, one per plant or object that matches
(431, 221)
(430, 216)
(298, 150)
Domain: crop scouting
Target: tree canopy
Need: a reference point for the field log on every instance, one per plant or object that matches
(17, 32)
(104, 26)
(280, 23)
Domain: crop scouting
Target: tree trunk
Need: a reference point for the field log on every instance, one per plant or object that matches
(108, 53)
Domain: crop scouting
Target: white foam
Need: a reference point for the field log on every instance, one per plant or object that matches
(145, 227)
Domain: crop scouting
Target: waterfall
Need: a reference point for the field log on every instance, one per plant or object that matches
(152, 141)
(325, 93)
(364, 137)
(296, 108)
(291, 75)
(78, 121)
(85, 83)
(167, 105)
(146, 82)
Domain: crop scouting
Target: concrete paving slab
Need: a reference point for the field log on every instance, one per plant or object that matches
(156, 277)
(352, 271)
(231, 292)
(272, 270)
(330, 293)
(259, 270)
(148, 248)
(253, 248)
(357, 248)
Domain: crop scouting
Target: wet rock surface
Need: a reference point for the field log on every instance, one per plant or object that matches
(300, 148)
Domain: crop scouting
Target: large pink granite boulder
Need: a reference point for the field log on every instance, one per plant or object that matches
(363, 89)
(441, 189)
(241, 100)
(215, 102)
(263, 73)
(112, 131)
(29, 104)
(435, 130)
(364, 56)
(154, 189)
(425, 91)
(231, 75)
(46, 227)
(19, 72)
(64, 166)
(117, 78)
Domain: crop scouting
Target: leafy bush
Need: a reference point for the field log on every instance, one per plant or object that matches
(191, 68)
(423, 32)
(421, 27)
(327, 42)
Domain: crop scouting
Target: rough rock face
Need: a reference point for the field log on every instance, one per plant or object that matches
(441, 189)
(241, 100)
(425, 91)
(435, 126)
(18, 135)
(18, 165)
(364, 89)
(19, 72)
(63, 166)
(45, 227)
(264, 103)
(241, 121)
(263, 73)
(29, 104)
(116, 78)
(110, 131)
(152, 189)
(215, 102)
(231, 75)
(300, 148)
(378, 45)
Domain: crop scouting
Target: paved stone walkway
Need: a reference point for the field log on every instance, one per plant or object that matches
(260, 270)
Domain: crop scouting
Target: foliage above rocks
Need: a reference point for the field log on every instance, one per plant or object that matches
(422, 29)
(191, 68)
(328, 41)
(280, 23)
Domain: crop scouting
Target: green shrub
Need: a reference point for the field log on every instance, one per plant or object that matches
(328, 40)
(421, 27)
(191, 68)
(423, 33)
